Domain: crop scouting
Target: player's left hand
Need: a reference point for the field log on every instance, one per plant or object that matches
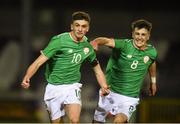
(105, 91)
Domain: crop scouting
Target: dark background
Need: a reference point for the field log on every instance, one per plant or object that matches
(26, 27)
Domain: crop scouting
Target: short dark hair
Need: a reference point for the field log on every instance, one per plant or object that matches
(79, 15)
(141, 23)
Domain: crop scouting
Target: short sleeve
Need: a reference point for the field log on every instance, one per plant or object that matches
(92, 56)
(53, 46)
(119, 43)
(153, 54)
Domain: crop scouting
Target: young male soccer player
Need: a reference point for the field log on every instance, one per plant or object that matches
(130, 60)
(64, 56)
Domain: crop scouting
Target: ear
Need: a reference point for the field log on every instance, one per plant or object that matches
(132, 34)
(87, 29)
(148, 36)
(71, 27)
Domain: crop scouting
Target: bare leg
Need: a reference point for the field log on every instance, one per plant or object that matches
(73, 112)
(120, 118)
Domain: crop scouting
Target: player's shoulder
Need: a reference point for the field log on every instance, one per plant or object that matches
(128, 40)
(123, 40)
(58, 36)
(152, 50)
(151, 47)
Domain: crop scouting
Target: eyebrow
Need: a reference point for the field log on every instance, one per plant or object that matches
(80, 24)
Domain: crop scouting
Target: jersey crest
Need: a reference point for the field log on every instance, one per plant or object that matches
(86, 50)
(146, 59)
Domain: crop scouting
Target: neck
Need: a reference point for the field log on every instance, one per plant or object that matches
(140, 48)
(75, 39)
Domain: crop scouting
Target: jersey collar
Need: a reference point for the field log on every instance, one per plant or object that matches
(71, 35)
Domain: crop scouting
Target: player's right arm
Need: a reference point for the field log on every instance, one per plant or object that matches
(109, 42)
(32, 70)
(152, 74)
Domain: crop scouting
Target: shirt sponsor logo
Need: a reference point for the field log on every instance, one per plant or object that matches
(70, 51)
(146, 59)
(129, 56)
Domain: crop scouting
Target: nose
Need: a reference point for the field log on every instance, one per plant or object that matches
(80, 28)
(140, 36)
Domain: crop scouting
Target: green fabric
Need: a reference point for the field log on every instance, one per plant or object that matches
(128, 66)
(65, 58)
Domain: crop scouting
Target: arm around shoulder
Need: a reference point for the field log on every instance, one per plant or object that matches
(103, 41)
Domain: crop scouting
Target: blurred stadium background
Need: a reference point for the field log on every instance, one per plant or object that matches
(27, 25)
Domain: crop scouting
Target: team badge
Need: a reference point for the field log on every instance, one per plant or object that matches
(146, 59)
(86, 50)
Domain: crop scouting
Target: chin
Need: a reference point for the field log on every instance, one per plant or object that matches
(80, 36)
(139, 46)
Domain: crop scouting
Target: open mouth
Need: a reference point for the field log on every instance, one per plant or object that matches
(139, 42)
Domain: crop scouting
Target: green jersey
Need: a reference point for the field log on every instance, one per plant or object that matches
(128, 66)
(65, 59)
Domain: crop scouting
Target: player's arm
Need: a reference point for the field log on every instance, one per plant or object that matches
(152, 74)
(109, 42)
(100, 78)
(32, 70)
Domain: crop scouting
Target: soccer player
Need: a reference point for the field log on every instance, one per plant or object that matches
(130, 61)
(64, 56)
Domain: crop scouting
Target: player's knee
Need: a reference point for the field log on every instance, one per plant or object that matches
(120, 118)
(74, 120)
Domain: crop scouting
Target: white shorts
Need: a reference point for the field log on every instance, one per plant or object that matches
(56, 96)
(114, 103)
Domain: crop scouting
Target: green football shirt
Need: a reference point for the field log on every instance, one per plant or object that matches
(128, 66)
(65, 58)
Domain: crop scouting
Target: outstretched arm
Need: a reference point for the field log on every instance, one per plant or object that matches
(101, 79)
(32, 70)
(102, 41)
(152, 74)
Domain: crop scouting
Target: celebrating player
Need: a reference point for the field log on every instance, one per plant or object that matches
(64, 56)
(130, 60)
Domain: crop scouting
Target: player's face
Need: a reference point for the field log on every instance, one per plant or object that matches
(140, 36)
(79, 29)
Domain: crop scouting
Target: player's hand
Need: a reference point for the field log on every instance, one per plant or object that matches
(105, 91)
(25, 83)
(95, 45)
(153, 89)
